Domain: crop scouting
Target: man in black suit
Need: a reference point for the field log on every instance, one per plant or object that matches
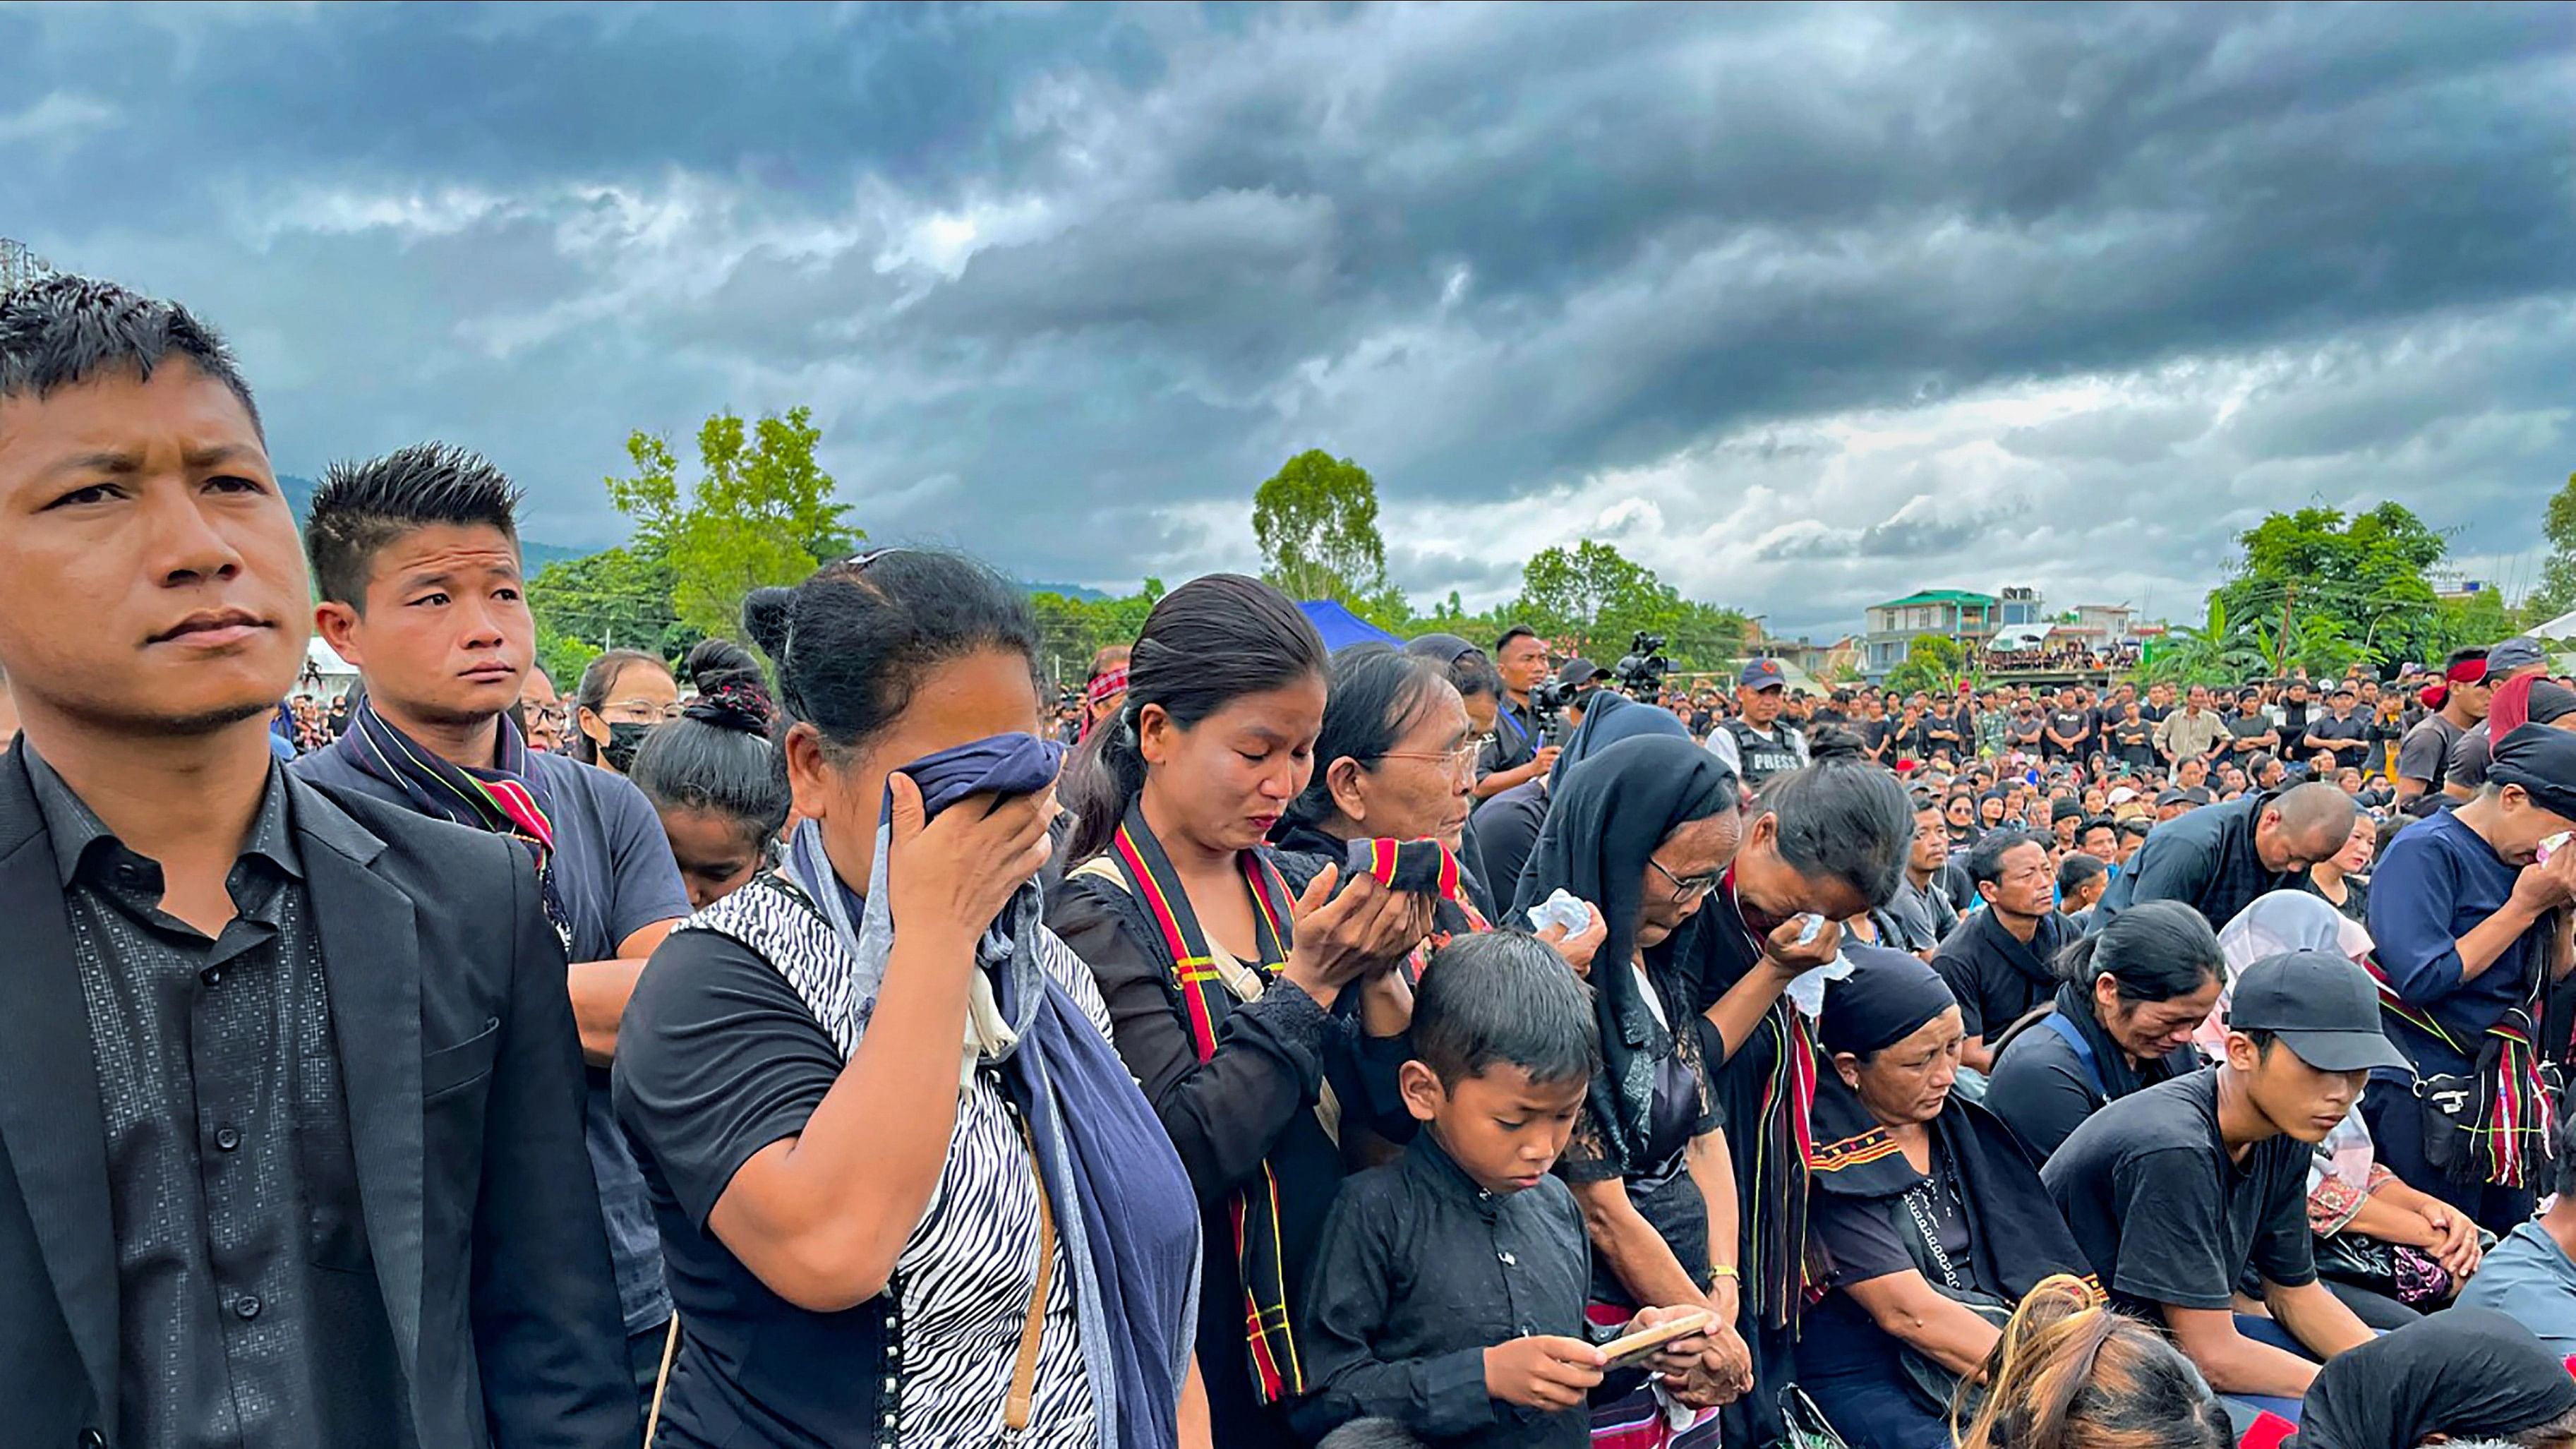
(290, 1102)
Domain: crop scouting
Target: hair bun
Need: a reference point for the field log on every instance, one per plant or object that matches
(766, 614)
(1827, 743)
(736, 704)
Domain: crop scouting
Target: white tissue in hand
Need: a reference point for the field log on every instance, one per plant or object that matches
(1562, 908)
(1807, 988)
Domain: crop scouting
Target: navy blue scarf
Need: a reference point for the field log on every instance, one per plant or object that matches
(1120, 1196)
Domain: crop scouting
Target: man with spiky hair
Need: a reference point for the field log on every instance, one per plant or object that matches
(416, 559)
(290, 1111)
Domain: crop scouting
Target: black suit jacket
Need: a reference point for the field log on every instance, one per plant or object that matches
(464, 1085)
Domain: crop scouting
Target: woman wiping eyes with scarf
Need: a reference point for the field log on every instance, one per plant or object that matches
(1233, 972)
(908, 1191)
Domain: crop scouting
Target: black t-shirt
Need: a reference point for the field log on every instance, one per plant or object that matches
(2348, 738)
(2294, 718)
(2246, 727)
(1862, 1239)
(2162, 1214)
(2135, 740)
(1996, 978)
(733, 1062)
(2022, 733)
(2073, 724)
(2043, 1091)
(2154, 714)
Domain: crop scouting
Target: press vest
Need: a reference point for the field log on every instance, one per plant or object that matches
(1758, 757)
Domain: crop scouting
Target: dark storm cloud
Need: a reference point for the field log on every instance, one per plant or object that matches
(1064, 283)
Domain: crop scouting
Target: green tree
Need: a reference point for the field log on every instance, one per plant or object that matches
(2556, 593)
(1934, 663)
(2218, 651)
(761, 512)
(1595, 599)
(2367, 574)
(613, 599)
(1316, 522)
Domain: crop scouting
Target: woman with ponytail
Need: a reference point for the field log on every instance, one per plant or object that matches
(713, 777)
(908, 1192)
(2069, 1373)
(1230, 970)
(2127, 1004)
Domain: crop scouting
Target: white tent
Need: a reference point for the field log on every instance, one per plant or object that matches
(2562, 627)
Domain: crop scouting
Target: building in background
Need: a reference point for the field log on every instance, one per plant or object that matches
(1960, 614)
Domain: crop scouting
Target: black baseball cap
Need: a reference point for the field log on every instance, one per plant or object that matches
(1579, 672)
(2320, 1004)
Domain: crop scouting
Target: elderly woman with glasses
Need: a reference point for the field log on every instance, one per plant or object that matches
(1643, 831)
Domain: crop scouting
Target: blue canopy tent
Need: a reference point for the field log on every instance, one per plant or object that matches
(1340, 627)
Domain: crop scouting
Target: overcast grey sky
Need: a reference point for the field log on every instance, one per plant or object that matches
(1803, 307)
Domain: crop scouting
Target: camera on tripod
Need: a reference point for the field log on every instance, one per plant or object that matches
(1639, 674)
(1547, 704)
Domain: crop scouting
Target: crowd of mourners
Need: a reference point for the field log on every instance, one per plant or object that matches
(835, 1042)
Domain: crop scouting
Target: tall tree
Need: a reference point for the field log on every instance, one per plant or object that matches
(1316, 522)
(1596, 599)
(613, 599)
(1934, 663)
(2556, 593)
(2366, 573)
(761, 512)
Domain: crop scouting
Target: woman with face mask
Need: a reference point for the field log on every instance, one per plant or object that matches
(623, 694)
(2123, 1020)
(1230, 969)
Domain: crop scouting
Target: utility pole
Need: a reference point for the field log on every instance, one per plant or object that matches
(2281, 645)
(19, 266)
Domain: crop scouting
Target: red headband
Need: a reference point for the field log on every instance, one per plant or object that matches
(2467, 671)
(1106, 686)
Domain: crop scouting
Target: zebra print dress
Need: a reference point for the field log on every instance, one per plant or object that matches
(960, 1291)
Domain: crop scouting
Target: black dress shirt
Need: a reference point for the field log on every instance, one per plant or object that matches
(247, 1302)
(1422, 1271)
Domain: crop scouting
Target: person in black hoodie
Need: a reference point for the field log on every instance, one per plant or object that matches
(2125, 1011)
(1997, 962)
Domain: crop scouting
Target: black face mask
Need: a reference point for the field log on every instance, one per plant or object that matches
(623, 741)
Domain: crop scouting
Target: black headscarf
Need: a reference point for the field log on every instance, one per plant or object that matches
(2015, 1232)
(1604, 822)
(2542, 760)
(2469, 1373)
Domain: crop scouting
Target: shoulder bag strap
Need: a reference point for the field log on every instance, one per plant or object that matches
(1024, 1373)
(2056, 1021)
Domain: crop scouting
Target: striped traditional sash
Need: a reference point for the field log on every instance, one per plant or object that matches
(1252, 1209)
(2517, 1110)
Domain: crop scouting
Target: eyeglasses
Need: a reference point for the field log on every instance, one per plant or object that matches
(643, 707)
(1459, 762)
(1685, 890)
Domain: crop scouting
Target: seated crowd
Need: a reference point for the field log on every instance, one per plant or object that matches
(821, 1047)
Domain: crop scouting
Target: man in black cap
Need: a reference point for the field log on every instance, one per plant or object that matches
(2471, 928)
(2174, 1191)
(2218, 859)
(1757, 742)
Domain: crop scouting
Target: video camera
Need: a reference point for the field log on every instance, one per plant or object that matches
(1547, 705)
(1640, 673)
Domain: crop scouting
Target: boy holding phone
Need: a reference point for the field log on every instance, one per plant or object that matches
(1450, 1295)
